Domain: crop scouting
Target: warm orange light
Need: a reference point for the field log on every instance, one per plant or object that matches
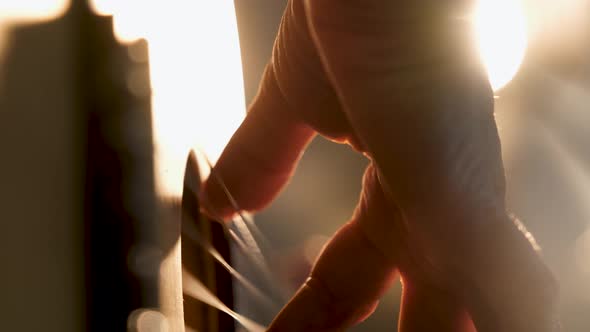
(31, 10)
(196, 76)
(27, 11)
(502, 37)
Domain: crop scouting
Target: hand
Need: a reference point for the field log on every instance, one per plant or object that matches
(400, 82)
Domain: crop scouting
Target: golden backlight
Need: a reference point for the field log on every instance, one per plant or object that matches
(501, 31)
(31, 10)
(196, 73)
(196, 76)
(23, 11)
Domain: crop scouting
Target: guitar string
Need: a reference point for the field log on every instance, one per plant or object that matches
(245, 225)
(246, 243)
(196, 289)
(249, 249)
(192, 233)
(247, 228)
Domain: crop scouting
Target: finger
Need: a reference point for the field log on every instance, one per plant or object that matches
(350, 275)
(261, 155)
(301, 77)
(426, 307)
(412, 88)
(418, 99)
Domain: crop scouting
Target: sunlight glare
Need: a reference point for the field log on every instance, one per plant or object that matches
(196, 76)
(31, 10)
(502, 37)
(27, 11)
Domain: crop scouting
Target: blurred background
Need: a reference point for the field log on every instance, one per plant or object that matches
(205, 62)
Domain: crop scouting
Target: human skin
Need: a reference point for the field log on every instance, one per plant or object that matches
(401, 83)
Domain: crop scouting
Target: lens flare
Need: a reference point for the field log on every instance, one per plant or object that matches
(196, 76)
(501, 29)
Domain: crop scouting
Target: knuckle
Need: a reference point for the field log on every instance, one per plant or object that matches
(300, 76)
